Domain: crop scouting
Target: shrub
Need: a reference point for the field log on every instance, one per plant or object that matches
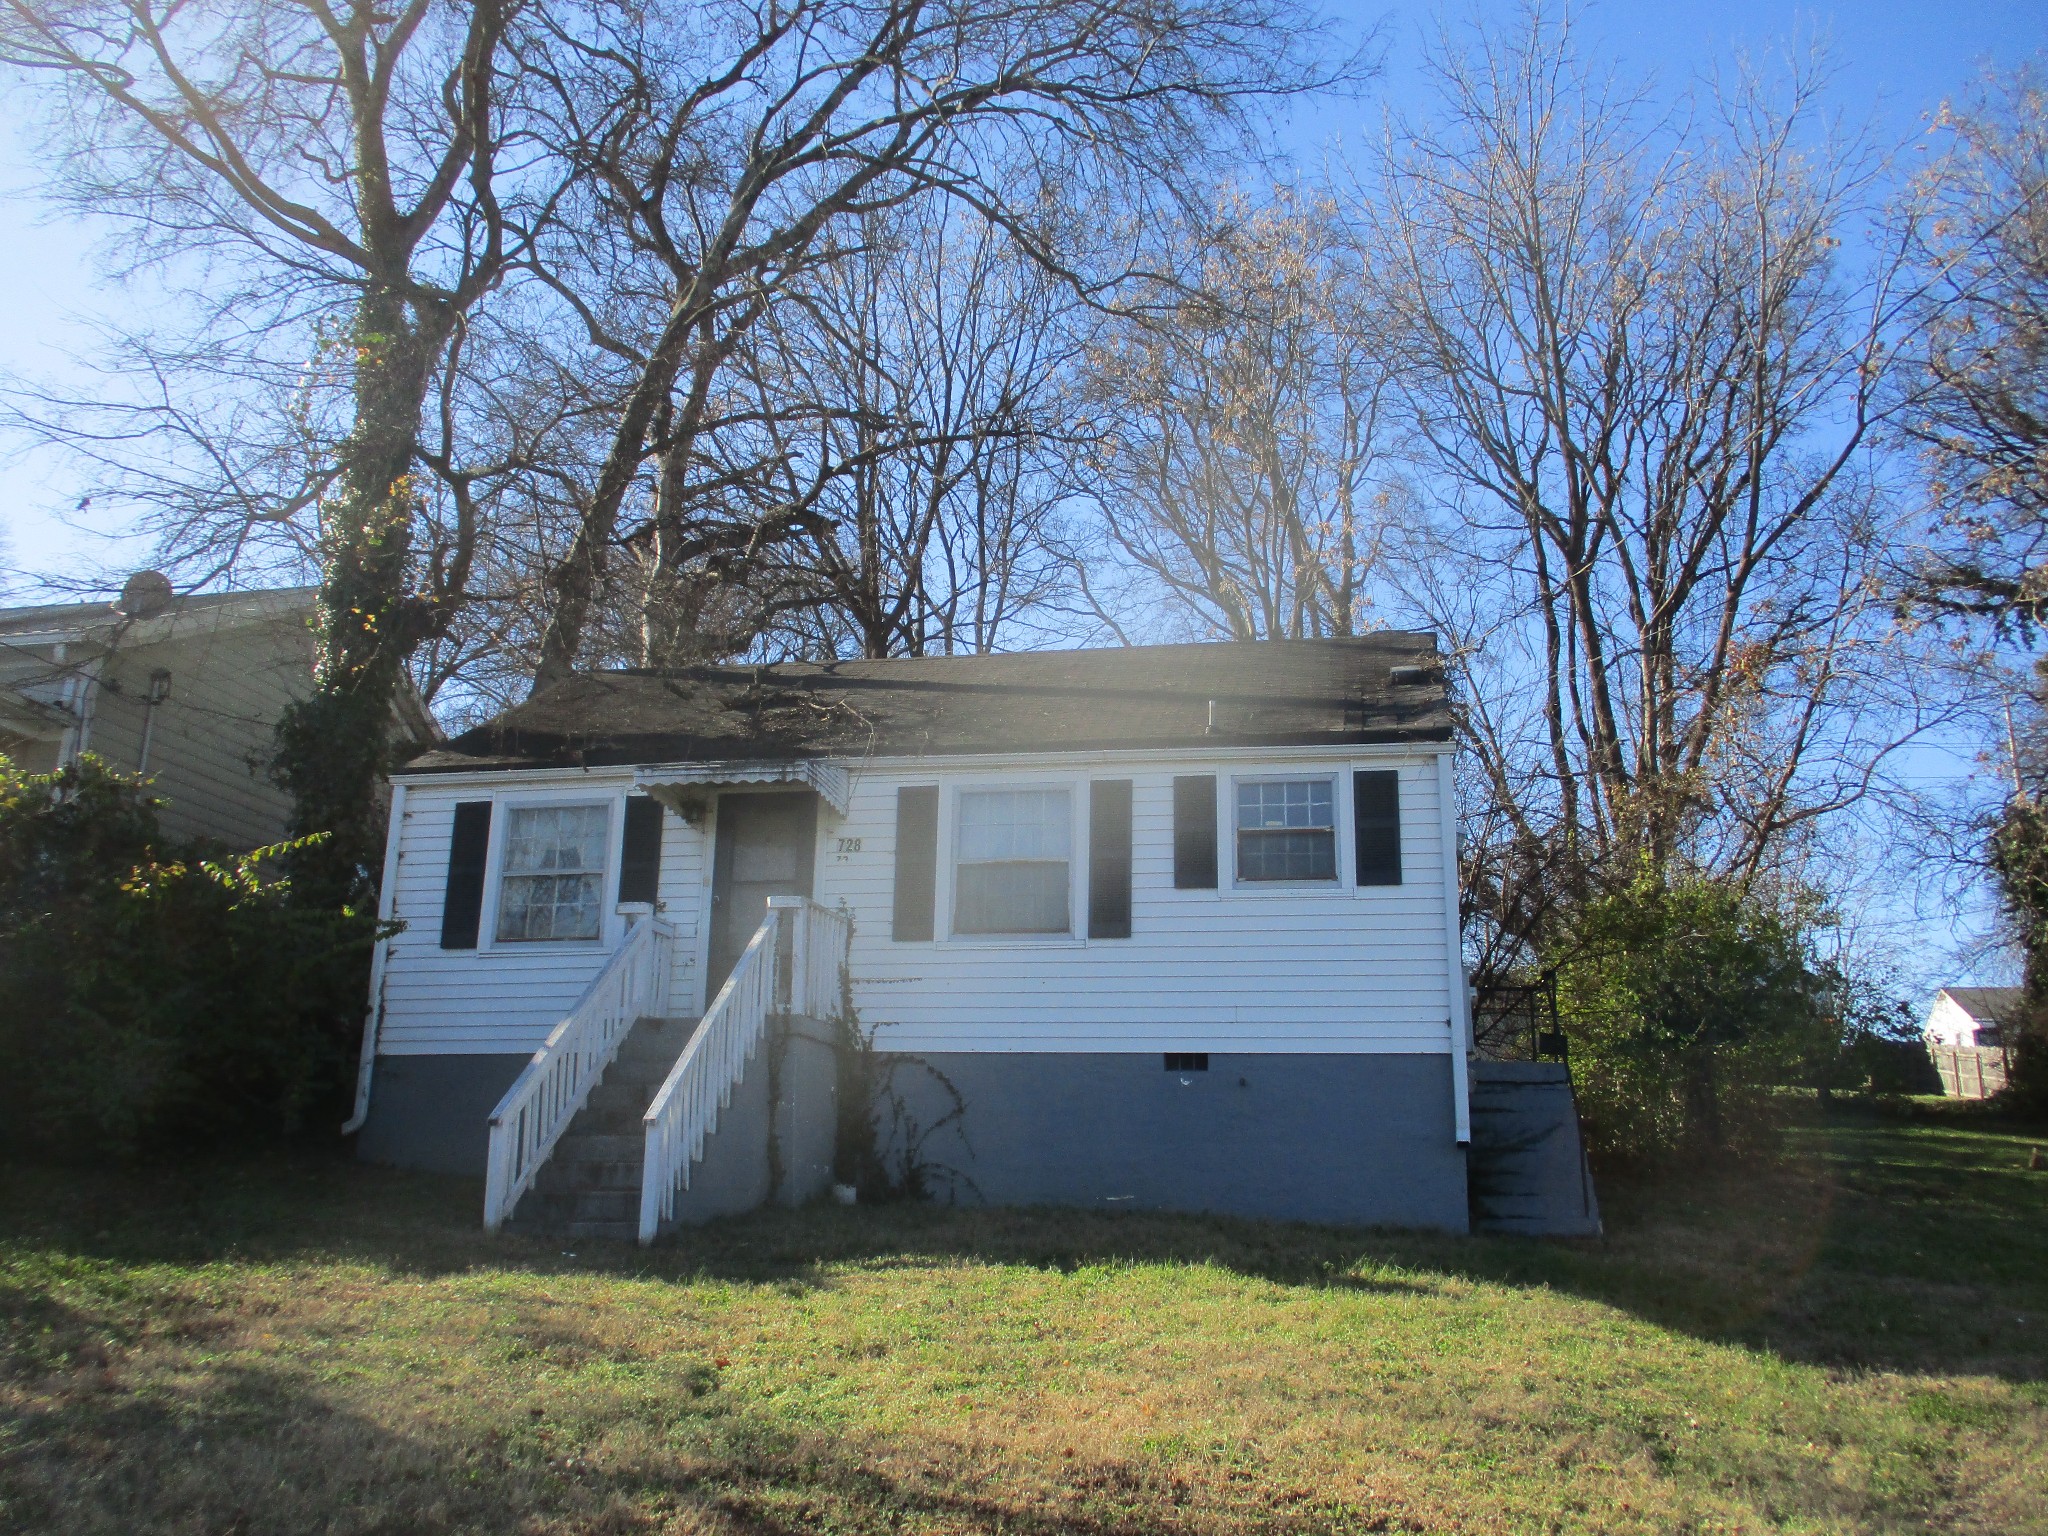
(1872, 1043)
(2019, 857)
(1683, 1002)
(152, 996)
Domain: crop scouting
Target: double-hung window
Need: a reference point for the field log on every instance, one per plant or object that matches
(1011, 858)
(551, 884)
(1286, 829)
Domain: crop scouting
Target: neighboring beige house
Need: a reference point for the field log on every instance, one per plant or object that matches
(185, 689)
(1965, 1035)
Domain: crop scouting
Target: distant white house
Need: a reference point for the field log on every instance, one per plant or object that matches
(1966, 1037)
(1970, 1017)
(187, 690)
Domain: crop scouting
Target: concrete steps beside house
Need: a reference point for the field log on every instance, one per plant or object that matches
(590, 1187)
(1526, 1171)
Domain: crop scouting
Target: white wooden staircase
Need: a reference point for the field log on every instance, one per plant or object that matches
(589, 1187)
(603, 1128)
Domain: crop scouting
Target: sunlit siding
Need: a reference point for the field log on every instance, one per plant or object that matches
(216, 732)
(1239, 968)
(506, 997)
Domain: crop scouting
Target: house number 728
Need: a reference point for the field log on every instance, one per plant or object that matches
(848, 845)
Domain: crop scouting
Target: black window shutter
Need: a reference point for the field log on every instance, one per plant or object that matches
(1109, 859)
(640, 859)
(462, 903)
(1194, 832)
(917, 861)
(1376, 821)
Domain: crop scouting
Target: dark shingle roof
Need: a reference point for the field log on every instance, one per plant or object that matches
(1987, 1005)
(1284, 692)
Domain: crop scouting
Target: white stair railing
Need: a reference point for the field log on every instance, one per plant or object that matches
(817, 956)
(685, 1111)
(556, 1084)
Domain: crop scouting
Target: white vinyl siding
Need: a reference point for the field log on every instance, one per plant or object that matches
(1316, 966)
(503, 998)
(1280, 966)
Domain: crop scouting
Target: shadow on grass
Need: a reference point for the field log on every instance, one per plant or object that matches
(1873, 1243)
(201, 1442)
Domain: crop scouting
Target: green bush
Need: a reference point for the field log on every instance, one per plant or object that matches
(2019, 857)
(152, 997)
(1684, 1003)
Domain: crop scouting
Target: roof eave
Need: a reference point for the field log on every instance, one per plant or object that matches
(660, 750)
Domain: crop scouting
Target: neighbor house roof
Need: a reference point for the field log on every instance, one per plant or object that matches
(51, 623)
(1987, 1005)
(1385, 687)
(89, 631)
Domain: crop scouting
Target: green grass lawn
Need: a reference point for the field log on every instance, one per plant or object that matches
(1853, 1340)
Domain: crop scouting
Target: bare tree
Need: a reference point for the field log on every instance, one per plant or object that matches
(728, 145)
(912, 395)
(322, 180)
(1977, 385)
(1238, 425)
(1642, 392)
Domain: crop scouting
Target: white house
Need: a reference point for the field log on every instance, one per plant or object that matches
(1969, 1017)
(1167, 927)
(1966, 1039)
(187, 690)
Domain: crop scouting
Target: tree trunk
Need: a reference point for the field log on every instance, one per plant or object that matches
(334, 746)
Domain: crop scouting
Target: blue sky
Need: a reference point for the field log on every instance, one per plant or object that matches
(1894, 62)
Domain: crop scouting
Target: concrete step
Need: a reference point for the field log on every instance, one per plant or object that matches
(655, 1044)
(569, 1229)
(1527, 1170)
(620, 1094)
(590, 1187)
(581, 1146)
(612, 1231)
(606, 1205)
(567, 1173)
(606, 1122)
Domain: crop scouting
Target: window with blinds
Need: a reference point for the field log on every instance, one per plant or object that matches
(1011, 862)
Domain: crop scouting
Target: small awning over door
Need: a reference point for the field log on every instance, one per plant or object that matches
(673, 783)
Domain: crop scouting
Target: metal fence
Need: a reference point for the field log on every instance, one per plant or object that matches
(1519, 1022)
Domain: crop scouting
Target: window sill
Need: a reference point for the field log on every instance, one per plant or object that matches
(1295, 887)
(539, 946)
(1015, 941)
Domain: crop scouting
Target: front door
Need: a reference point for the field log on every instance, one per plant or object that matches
(765, 846)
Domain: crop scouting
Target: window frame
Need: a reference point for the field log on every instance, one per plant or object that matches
(609, 921)
(951, 802)
(1340, 880)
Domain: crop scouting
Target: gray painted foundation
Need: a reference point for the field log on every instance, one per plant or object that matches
(738, 1172)
(1354, 1139)
(1350, 1139)
(434, 1112)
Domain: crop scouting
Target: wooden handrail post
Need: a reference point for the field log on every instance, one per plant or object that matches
(789, 913)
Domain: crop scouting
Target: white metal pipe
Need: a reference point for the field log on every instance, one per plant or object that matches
(387, 895)
(1461, 1001)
